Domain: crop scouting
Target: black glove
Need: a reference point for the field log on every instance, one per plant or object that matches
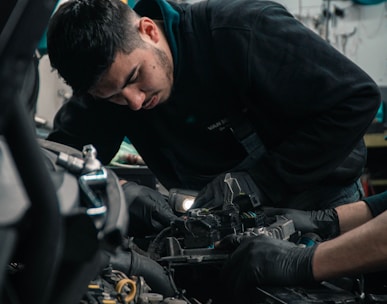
(149, 212)
(262, 260)
(215, 193)
(324, 223)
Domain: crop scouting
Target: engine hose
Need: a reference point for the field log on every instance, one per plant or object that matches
(132, 263)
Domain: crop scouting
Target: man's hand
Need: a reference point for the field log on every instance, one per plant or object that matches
(261, 260)
(149, 211)
(216, 193)
(324, 223)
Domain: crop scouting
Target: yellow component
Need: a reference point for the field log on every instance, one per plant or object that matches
(125, 1)
(109, 301)
(93, 286)
(133, 289)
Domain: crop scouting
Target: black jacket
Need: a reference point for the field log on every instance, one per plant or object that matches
(240, 61)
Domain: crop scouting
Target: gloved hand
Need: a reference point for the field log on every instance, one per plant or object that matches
(324, 223)
(261, 260)
(214, 193)
(149, 212)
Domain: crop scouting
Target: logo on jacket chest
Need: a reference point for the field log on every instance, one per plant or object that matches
(219, 125)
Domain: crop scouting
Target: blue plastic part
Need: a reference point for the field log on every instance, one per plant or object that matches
(368, 2)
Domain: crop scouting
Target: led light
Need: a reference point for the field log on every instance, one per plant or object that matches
(187, 203)
(181, 200)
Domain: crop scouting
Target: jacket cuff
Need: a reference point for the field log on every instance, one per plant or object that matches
(377, 203)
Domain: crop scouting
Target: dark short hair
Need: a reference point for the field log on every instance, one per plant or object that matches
(84, 37)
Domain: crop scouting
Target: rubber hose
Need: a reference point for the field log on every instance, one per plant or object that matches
(132, 263)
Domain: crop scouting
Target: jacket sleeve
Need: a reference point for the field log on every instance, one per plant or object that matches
(311, 104)
(83, 120)
(309, 84)
(377, 203)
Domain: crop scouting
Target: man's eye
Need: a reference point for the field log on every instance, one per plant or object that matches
(133, 79)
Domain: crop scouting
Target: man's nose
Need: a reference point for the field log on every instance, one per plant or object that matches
(134, 97)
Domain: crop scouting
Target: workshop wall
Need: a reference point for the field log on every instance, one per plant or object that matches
(358, 31)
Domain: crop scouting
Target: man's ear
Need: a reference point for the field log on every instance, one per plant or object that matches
(148, 30)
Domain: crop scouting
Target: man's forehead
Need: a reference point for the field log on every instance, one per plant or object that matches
(102, 84)
(110, 78)
(105, 87)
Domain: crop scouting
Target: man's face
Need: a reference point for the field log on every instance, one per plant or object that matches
(141, 80)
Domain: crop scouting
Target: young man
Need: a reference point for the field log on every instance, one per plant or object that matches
(215, 87)
(357, 244)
